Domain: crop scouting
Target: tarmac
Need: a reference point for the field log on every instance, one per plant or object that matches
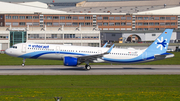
(95, 70)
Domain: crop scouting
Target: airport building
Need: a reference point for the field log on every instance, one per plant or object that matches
(87, 23)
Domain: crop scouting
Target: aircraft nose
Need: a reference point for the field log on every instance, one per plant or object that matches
(7, 51)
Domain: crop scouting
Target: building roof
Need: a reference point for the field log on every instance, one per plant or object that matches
(129, 3)
(119, 7)
(35, 4)
(164, 11)
(11, 8)
(122, 10)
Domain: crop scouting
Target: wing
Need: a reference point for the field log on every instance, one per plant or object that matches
(90, 58)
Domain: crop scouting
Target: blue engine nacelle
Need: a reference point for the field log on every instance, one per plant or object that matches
(70, 61)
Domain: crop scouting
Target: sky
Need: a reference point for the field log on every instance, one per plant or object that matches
(49, 1)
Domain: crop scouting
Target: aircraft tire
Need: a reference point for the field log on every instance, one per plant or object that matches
(87, 67)
(23, 64)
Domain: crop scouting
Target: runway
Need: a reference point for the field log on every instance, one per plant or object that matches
(95, 70)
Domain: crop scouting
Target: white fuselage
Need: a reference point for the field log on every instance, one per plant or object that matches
(58, 52)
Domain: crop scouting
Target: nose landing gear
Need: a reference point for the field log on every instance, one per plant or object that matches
(23, 64)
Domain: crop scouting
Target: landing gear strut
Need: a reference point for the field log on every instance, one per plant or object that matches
(87, 67)
(23, 64)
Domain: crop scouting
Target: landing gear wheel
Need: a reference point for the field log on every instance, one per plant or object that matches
(87, 67)
(23, 64)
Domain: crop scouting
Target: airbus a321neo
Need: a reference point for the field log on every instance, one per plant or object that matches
(76, 55)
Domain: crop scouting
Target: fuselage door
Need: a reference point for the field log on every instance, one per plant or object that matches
(57, 49)
(24, 48)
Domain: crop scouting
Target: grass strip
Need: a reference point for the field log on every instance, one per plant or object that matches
(90, 88)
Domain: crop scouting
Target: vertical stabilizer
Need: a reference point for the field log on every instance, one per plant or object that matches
(160, 45)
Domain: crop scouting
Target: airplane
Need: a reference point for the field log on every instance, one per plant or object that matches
(76, 55)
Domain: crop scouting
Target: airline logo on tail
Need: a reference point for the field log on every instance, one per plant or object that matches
(161, 43)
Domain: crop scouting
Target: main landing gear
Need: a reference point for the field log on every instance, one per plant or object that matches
(87, 67)
(23, 64)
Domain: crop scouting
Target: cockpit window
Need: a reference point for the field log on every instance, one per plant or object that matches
(14, 47)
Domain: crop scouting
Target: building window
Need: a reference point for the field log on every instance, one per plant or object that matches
(151, 29)
(111, 18)
(117, 24)
(15, 17)
(15, 23)
(75, 18)
(153, 34)
(151, 23)
(8, 23)
(28, 17)
(168, 24)
(140, 18)
(162, 28)
(75, 24)
(156, 23)
(29, 23)
(21, 17)
(62, 23)
(49, 17)
(55, 17)
(68, 18)
(123, 23)
(99, 24)
(55, 24)
(173, 18)
(105, 24)
(156, 18)
(35, 23)
(81, 18)
(68, 23)
(145, 29)
(99, 18)
(62, 17)
(88, 18)
(111, 24)
(128, 23)
(151, 18)
(162, 23)
(35, 17)
(81, 23)
(8, 17)
(105, 18)
(146, 18)
(145, 23)
(87, 23)
(69, 36)
(140, 29)
(123, 18)
(173, 23)
(162, 18)
(156, 29)
(140, 23)
(117, 18)
(128, 18)
(167, 18)
(22, 23)
(49, 23)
